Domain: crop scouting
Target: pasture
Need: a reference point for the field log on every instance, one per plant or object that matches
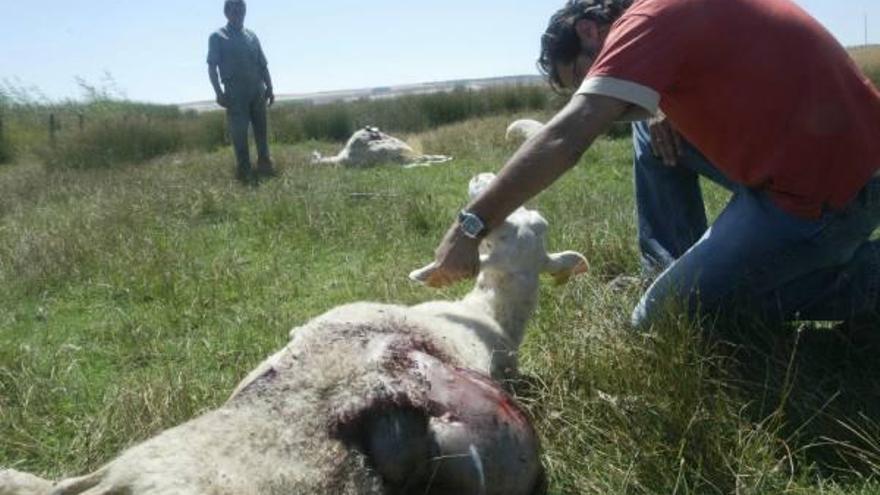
(135, 297)
(868, 59)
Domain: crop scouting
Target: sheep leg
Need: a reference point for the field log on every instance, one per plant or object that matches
(74, 486)
(14, 482)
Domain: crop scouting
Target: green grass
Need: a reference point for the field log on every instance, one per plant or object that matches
(868, 59)
(294, 122)
(6, 152)
(134, 298)
(114, 140)
(106, 132)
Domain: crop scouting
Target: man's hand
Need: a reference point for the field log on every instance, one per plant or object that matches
(270, 96)
(665, 140)
(223, 100)
(457, 258)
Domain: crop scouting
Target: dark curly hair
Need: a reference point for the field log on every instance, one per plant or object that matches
(560, 42)
(228, 4)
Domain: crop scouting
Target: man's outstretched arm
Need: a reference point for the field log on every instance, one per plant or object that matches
(536, 165)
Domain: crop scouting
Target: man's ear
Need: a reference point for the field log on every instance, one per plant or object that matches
(588, 33)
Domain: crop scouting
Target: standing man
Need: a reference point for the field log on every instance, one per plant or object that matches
(236, 58)
(787, 120)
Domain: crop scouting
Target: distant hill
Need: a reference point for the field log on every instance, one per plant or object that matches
(388, 91)
(868, 58)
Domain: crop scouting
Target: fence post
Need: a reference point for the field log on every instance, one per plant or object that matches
(82, 120)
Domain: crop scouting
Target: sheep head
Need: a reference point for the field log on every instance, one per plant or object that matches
(522, 129)
(517, 245)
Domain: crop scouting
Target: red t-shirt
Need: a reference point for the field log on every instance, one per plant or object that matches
(759, 86)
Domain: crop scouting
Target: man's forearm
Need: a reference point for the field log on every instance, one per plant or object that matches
(215, 79)
(267, 79)
(543, 159)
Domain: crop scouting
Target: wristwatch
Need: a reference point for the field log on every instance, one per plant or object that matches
(472, 225)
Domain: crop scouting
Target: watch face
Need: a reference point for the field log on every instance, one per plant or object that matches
(471, 225)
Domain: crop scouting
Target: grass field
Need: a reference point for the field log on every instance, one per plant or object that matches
(134, 298)
(868, 58)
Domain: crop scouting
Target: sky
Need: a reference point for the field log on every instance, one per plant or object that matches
(154, 50)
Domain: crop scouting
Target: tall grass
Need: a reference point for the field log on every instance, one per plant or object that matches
(868, 59)
(6, 149)
(295, 122)
(113, 140)
(108, 130)
(6, 153)
(135, 298)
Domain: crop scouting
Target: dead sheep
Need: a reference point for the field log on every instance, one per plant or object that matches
(369, 147)
(367, 399)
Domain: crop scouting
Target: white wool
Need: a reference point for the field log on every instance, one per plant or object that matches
(16, 483)
(369, 147)
(523, 129)
(487, 326)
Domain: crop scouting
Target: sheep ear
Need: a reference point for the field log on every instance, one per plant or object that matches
(565, 264)
(421, 275)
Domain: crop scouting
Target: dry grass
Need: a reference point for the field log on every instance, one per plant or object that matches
(868, 58)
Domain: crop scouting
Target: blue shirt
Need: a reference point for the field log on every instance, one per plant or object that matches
(239, 56)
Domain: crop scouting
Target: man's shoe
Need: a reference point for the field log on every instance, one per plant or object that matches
(244, 175)
(265, 169)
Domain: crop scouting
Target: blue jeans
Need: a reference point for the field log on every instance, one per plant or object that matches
(756, 258)
(246, 110)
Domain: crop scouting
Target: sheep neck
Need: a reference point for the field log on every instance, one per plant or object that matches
(508, 297)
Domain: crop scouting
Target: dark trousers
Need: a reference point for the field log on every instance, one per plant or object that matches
(247, 107)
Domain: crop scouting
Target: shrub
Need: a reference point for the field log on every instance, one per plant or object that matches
(113, 140)
(5, 144)
(294, 122)
(205, 131)
(335, 121)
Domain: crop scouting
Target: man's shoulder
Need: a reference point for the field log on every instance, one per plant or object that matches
(221, 32)
(249, 34)
(656, 8)
(669, 17)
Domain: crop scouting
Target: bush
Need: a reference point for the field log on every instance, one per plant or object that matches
(294, 122)
(5, 145)
(205, 132)
(334, 122)
(113, 140)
